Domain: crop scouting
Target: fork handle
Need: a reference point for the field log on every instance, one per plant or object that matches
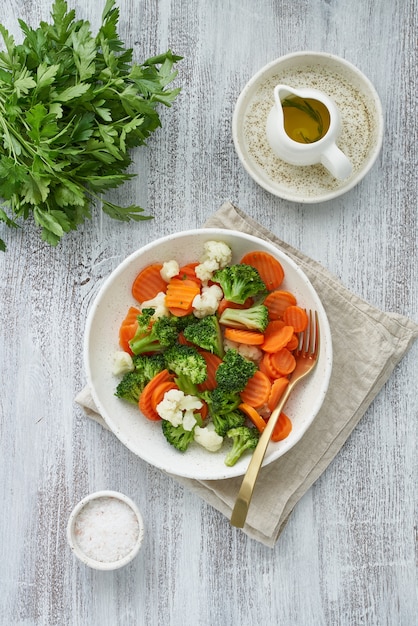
(242, 503)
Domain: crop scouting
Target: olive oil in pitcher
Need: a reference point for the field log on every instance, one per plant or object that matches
(305, 120)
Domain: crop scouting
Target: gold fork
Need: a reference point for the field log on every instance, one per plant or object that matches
(306, 359)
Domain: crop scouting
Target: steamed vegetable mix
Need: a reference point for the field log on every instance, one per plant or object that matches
(211, 345)
(72, 106)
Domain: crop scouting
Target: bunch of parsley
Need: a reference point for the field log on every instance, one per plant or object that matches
(72, 106)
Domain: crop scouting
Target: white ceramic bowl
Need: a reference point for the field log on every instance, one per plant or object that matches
(105, 530)
(362, 125)
(144, 437)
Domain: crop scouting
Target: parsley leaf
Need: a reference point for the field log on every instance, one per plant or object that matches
(72, 108)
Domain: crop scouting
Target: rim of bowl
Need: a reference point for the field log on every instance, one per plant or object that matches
(93, 563)
(374, 152)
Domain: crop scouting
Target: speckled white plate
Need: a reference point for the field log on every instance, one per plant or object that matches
(144, 437)
(362, 125)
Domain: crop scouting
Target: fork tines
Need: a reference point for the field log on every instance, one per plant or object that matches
(309, 338)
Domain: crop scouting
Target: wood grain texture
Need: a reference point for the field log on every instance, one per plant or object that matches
(348, 554)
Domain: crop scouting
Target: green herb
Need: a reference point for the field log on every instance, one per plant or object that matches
(72, 106)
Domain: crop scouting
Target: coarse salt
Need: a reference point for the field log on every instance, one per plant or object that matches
(106, 529)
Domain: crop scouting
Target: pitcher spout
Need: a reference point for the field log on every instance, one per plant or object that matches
(283, 91)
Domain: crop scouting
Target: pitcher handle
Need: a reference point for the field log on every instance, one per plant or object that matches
(336, 162)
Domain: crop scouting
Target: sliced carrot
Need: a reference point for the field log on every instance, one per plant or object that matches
(128, 328)
(282, 429)
(204, 410)
(275, 340)
(126, 333)
(297, 317)
(181, 293)
(274, 326)
(248, 337)
(253, 415)
(267, 366)
(180, 312)
(269, 268)
(277, 302)
(257, 390)
(212, 364)
(227, 304)
(158, 394)
(148, 283)
(145, 399)
(283, 361)
(188, 271)
(182, 339)
(293, 343)
(278, 387)
(131, 315)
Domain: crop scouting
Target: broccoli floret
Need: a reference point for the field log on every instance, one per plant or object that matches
(243, 438)
(131, 387)
(221, 401)
(206, 333)
(187, 362)
(234, 372)
(153, 335)
(185, 320)
(254, 318)
(222, 406)
(224, 423)
(184, 383)
(149, 364)
(177, 436)
(239, 282)
(132, 384)
(164, 330)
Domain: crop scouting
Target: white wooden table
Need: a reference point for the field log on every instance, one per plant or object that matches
(347, 556)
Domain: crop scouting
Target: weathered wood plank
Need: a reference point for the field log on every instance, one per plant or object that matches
(347, 556)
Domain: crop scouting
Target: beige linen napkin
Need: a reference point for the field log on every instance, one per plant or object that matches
(361, 366)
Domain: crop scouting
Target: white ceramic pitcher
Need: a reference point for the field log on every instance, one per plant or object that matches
(323, 150)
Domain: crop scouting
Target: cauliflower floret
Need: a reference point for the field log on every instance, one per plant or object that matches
(189, 420)
(190, 403)
(206, 303)
(216, 255)
(122, 363)
(169, 270)
(249, 352)
(169, 408)
(206, 269)
(157, 303)
(208, 438)
(178, 408)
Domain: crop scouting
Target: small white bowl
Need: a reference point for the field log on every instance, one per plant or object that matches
(105, 530)
(360, 139)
